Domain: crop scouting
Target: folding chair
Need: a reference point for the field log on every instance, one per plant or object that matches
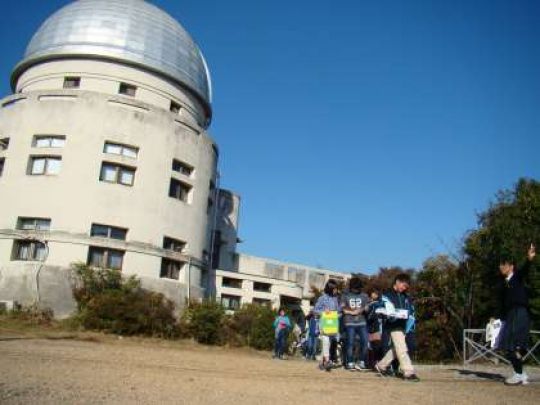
(475, 345)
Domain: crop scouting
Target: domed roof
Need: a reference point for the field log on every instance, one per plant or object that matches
(129, 31)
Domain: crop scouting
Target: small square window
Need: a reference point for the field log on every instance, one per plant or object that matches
(262, 302)
(4, 143)
(262, 287)
(231, 282)
(119, 149)
(105, 258)
(127, 89)
(106, 231)
(114, 173)
(45, 165)
(49, 141)
(29, 250)
(182, 167)
(171, 269)
(230, 302)
(175, 107)
(173, 244)
(179, 190)
(72, 82)
(34, 224)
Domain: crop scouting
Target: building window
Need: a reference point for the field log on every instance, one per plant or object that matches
(231, 282)
(118, 149)
(114, 173)
(173, 244)
(127, 89)
(262, 302)
(262, 287)
(182, 168)
(49, 141)
(4, 143)
(72, 82)
(179, 190)
(209, 206)
(106, 231)
(33, 224)
(231, 302)
(45, 165)
(171, 269)
(105, 258)
(2, 163)
(175, 107)
(29, 250)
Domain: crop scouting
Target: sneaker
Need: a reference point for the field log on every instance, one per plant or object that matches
(411, 377)
(524, 378)
(350, 367)
(361, 366)
(516, 379)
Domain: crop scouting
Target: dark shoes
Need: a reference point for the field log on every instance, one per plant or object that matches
(411, 377)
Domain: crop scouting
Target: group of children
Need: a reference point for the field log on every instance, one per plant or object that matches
(373, 332)
(383, 325)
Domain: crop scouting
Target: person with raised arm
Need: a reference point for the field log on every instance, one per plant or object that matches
(514, 312)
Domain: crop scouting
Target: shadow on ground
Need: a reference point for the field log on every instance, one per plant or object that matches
(480, 374)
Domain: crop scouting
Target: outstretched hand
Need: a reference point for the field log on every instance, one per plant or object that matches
(531, 252)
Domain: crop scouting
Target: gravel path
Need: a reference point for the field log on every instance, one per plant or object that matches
(146, 371)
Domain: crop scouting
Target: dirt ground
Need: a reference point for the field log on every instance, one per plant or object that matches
(114, 371)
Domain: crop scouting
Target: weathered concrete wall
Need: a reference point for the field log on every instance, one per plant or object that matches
(51, 287)
(32, 283)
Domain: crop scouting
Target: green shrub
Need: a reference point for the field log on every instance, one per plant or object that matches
(205, 322)
(111, 303)
(254, 325)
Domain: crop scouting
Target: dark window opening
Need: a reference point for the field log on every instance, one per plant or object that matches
(173, 244)
(4, 143)
(182, 168)
(262, 287)
(171, 269)
(72, 82)
(127, 89)
(231, 282)
(179, 190)
(175, 107)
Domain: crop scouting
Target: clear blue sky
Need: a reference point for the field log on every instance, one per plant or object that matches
(359, 133)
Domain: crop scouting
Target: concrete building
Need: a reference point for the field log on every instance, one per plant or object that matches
(105, 158)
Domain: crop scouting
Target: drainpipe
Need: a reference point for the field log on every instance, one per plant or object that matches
(188, 295)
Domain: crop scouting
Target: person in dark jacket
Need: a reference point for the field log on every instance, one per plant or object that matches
(375, 328)
(398, 308)
(515, 314)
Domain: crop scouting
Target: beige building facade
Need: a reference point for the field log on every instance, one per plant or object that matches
(105, 159)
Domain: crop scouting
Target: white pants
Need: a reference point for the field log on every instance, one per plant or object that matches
(399, 350)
